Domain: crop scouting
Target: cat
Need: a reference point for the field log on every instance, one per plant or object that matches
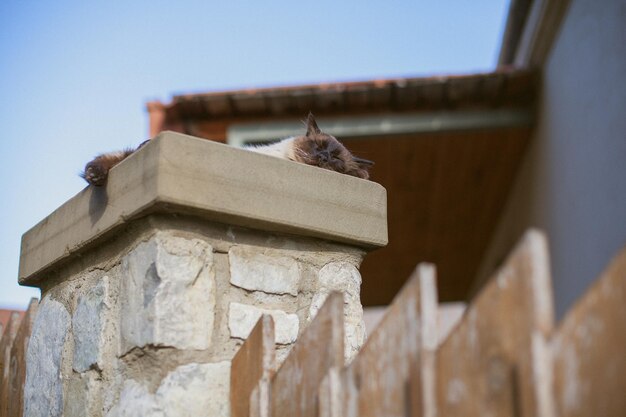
(313, 148)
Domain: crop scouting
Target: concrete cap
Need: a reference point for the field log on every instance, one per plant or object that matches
(175, 173)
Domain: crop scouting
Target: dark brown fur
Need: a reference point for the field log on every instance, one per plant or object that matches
(314, 148)
(97, 171)
(325, 151)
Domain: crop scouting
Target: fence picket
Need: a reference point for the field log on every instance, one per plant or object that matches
(330, 394)
(260, 399)
(377, 383)
(414, 406)
(5, 362)
(494, 361)
(294, 387)
(255, 360)
(17, 373)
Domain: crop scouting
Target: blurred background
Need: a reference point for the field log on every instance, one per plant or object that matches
(484, 118)
(75, 76)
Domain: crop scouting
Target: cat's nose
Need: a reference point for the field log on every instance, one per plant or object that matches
(324, 156)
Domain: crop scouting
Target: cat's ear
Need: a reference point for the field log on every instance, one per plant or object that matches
(311, 125)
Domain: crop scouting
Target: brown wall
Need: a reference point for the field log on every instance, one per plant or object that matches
(445, 192)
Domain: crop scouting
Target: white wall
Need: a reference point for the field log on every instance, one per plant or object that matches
(572, 183)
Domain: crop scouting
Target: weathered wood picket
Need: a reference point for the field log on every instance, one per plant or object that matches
(498, 353)
(13, 346)
(294, 387)
(252, 366)
(504, 357)
(406, 336)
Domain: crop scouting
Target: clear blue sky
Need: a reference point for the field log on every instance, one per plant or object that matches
(75, 75)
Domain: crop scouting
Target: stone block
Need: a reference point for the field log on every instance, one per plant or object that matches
(196, 390)
(273, 274)
(82, 396)
(135, 401)
(88, 326)
(168, 293)
(199, 390)
(242, 319)
(343, 277)
(43, 389)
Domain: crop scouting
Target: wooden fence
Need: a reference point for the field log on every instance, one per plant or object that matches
(504, 357)
(13, 346)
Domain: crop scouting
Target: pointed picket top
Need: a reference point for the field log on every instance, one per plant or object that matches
(376, 381)
(255, 361)
(294, 387)
(497, 361)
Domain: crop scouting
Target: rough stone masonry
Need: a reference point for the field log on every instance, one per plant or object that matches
(147, 303)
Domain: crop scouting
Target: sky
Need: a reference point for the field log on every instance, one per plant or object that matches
(75, 75)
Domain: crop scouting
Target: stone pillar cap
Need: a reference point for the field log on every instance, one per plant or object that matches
(176, 173)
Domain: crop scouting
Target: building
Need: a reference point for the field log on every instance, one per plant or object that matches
(445, 148)
(471, 161)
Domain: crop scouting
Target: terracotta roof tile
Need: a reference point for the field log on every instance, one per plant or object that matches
(505, 87)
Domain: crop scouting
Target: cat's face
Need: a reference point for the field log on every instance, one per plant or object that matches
(325, 151)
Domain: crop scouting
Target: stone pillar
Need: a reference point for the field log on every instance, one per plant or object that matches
(150, 284)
